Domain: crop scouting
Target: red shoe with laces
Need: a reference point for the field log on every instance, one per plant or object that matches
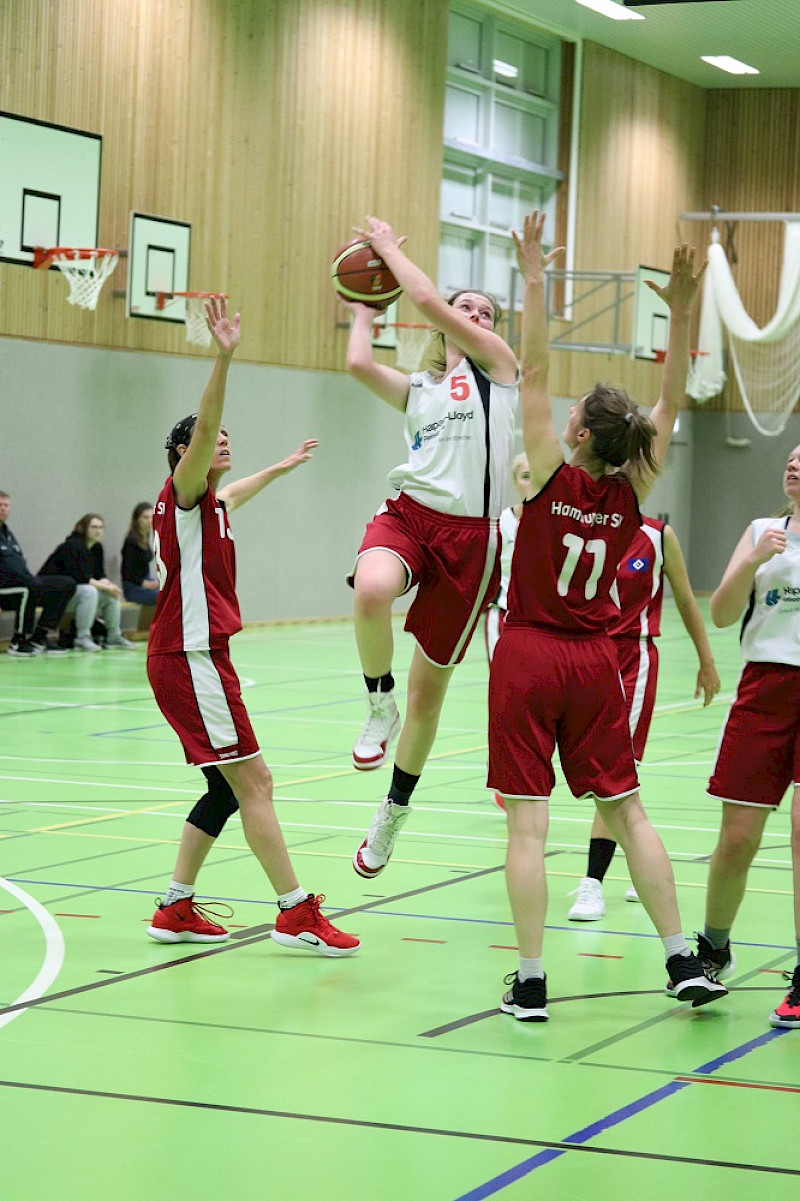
(304, 926)
(186, 921)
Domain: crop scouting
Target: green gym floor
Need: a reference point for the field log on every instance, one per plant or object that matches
(243, 1071)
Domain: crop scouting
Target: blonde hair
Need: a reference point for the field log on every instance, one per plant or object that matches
(435, 354)
(518, 465)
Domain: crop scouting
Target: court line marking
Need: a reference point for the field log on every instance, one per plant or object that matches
(53, 956)
(616, 1117)
(554, 1149)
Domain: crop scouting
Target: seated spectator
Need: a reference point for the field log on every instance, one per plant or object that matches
(80, 556)
(24, 592)
(139, 583)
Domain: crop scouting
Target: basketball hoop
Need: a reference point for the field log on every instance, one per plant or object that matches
(412, 339)
(197, 331)
(84, 270)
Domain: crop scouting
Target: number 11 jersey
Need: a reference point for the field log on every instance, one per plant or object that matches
(571, 538)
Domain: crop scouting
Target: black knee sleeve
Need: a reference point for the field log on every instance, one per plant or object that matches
(213, 810)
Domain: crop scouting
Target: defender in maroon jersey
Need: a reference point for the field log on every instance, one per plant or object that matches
(555, 678)
(194, 681)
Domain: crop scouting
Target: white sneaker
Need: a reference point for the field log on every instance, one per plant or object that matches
(375, 851)
(122, 642)
(632, 895)
(589, 906)
(86, 644)
(380, 728)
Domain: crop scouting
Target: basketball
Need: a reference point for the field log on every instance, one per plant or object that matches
(358, 273)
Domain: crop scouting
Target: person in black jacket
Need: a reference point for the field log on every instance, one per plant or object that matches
(23, 592)
(139, 583)
(80, 556)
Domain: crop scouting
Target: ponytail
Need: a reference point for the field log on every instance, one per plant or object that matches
(620, 433)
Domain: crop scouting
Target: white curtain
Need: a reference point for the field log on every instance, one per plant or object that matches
(766, 361)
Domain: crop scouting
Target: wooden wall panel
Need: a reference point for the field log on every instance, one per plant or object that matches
(270, 126)
(640, 165)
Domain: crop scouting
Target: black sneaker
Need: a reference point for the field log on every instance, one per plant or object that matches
(688, 981)
(718, 962)
(787, 1015)
(526, 999)
(21, 648)
(42, 645)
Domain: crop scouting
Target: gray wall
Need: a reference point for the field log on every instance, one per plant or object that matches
(83, 429)
(731, 485)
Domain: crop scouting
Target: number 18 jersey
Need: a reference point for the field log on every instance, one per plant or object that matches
(570, 541)
(197, 608)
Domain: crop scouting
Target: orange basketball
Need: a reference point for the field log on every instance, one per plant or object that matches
(358, 273)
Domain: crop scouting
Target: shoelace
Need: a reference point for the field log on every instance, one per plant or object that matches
(210, 910)
(381, 838)
(793, 997)
(378, 721)
(584, 891)
(314, 903)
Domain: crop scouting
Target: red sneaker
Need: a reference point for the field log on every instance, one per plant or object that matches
(186, 921)
(787, 1014)
(304, 926)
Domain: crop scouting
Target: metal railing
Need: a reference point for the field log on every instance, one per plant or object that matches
(594, 310)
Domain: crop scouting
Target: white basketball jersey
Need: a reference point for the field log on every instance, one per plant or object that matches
(459, 454)
(771, 626)
(509, 524)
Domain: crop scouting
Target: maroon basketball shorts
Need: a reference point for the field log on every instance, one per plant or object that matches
(493, 628)
(638, 668)
(199, 694)
(759, 752)
(546, 691)
(455, 561)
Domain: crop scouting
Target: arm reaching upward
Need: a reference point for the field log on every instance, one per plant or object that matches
(189, 478)
(679, 294)
(387, 382)
(541, 441)
(238, 492)
(487, 348)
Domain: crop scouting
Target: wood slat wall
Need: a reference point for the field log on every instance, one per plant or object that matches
(641, 163)
(270, 126)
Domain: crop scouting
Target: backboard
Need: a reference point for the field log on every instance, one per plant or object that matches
(158, 262)
(49, 187)
(650, 315)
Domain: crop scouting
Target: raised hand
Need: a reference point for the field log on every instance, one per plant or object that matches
(681, 288)
(224, 330)
(772, 542)
(303, 453)
(531, 259)
(380, 234)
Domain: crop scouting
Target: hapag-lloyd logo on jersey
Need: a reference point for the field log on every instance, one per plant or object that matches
(430, 431)
(788, 596)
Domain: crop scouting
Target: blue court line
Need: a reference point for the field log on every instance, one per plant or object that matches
(614, 1119)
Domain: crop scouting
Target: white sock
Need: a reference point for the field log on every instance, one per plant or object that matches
(289, 899)
(675, 944)
(529, 969)
(177, 892)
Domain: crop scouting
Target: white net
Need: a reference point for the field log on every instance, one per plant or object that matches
(85, 275)
(766, 361)
(197, 331)
(412, 343)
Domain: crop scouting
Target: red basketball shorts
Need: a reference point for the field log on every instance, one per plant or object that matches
(548, 691)
(199, 694)
(638, 667)
(759, 752)
(455, 561)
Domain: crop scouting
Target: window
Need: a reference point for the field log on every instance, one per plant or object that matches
(500, 144)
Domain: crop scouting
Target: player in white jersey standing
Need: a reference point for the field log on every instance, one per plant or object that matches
(193, 678)
(759, 755)
(554, 679)
(654, 553)
(441, 530)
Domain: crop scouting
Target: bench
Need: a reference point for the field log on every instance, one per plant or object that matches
(134, 621)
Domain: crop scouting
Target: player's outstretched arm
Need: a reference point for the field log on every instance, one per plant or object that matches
(238, 492)
(487, 348)
(679, 294)
(539, 435)
(708, 681)
(387, 382)
(189, 477)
